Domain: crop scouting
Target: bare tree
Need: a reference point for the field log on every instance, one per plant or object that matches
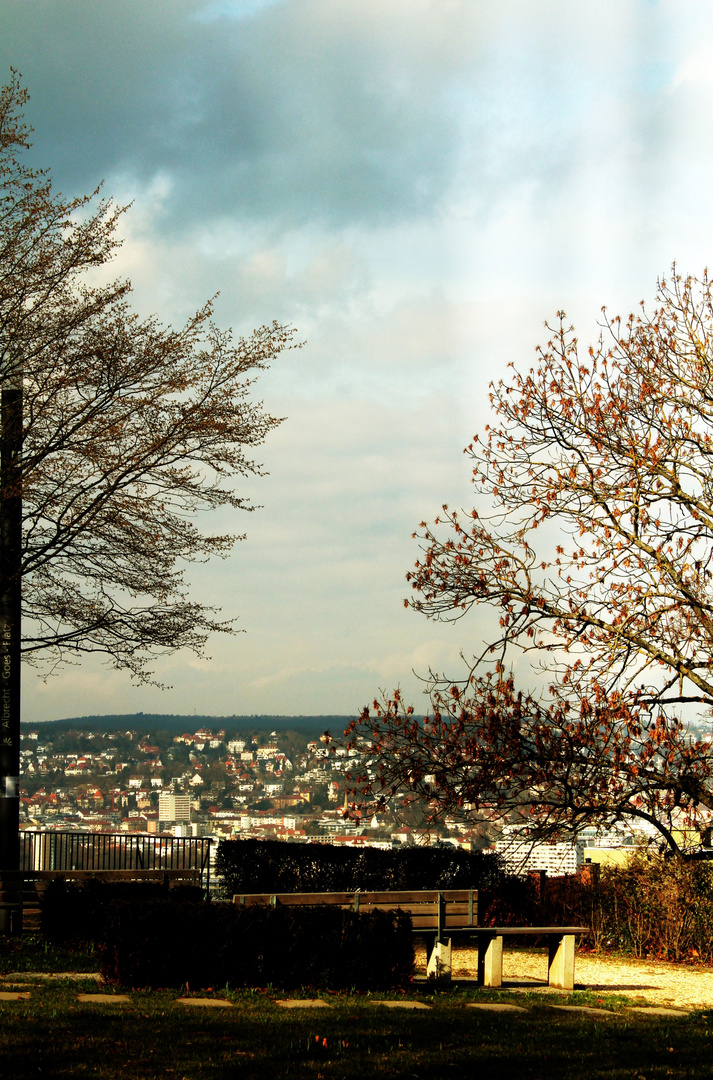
(129, 429)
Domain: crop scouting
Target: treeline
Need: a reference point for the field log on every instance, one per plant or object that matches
(309, 726)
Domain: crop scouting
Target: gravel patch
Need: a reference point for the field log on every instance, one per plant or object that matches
(682, 986)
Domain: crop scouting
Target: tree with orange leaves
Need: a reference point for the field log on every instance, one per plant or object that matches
(614, 451)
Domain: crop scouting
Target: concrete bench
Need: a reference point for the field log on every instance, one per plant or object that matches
(443, 915)
(561, 943)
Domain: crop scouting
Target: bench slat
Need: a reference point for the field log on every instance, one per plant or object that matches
(456, 899)
(111, 875)
(458, 907)
(301, 899)
(501, 931)
(420, 896)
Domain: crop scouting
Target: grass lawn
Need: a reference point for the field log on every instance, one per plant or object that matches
(53, 1035)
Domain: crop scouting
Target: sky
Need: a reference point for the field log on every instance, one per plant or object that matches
(416, 186)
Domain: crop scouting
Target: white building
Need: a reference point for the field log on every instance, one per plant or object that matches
(522, 856)
(174, 807)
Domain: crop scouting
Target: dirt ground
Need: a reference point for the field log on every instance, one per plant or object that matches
(682, 985)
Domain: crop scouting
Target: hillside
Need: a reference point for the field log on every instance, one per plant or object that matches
(311, 726)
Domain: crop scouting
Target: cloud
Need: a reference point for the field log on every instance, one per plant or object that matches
(416, 185)
(304, 112)
(360, 120)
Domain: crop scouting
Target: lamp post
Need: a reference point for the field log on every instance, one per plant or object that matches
(10, 638)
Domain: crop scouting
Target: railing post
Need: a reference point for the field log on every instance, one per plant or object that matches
(210, 844)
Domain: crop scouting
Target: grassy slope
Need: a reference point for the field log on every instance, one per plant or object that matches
(52, 1035)
(154, 1037)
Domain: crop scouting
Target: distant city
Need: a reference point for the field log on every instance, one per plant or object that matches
(271, 777)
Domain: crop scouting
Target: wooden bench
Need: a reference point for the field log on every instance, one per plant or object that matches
(21, 890)
(11, 898)
(442, 916)
(157, 877)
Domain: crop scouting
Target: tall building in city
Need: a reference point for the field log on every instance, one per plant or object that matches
(174, 807)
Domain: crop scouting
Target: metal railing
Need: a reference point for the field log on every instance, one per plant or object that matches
(114, 851)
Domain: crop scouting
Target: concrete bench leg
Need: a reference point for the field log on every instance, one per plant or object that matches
(490, 960)
(439, 962)
(561, 961)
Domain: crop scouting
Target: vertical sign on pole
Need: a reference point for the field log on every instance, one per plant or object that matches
(10, 615)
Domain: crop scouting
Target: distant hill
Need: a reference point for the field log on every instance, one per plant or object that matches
(312, 726)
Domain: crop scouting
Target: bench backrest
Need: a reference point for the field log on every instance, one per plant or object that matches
(181, 876)
(430, 909)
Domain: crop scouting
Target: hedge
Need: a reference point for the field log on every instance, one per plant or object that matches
(168, 943)
(267, 866)
(78, 911)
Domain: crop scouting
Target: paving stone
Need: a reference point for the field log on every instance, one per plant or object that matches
(403, 1004)
(215, 1003)
(652, 1010)
(582, 1009)
(302, 1003)
(14, 995)
(104, 999)
(496, 1006)
(76, 976)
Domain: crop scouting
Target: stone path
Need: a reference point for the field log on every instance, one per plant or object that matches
(319, 1003)
(664, 990)
(103, 999)
(495, 1006)
(211, 1003)
(398, 1003)
(302, 1003)
(52, 976)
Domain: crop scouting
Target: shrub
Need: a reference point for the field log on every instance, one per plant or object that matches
(77, 911)
(654, 905)
(165, 943)
(258, 866)
(272, 866)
